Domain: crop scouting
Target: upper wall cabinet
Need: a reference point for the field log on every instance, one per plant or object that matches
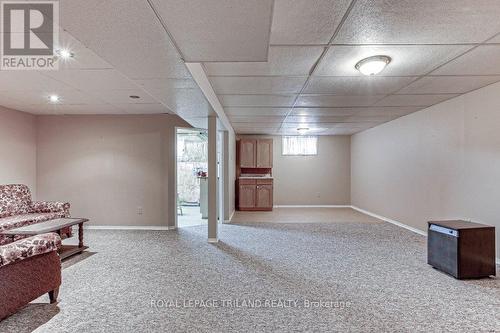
(248, 158)
(265, 153)
(256, 153)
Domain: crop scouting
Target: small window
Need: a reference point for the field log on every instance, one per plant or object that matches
(300, 145)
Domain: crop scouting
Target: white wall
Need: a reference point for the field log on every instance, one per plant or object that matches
(108, 166)
(17, 148)
(324, 179)
(440, 163)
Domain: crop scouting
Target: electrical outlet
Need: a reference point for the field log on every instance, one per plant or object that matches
(140, 210)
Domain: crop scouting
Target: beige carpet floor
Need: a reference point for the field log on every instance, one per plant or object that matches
(343, 275)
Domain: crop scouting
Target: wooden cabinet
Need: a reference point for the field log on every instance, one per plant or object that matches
(248, 155)
(264, 196)
(247, 196)
(255, 194)
(264, 153)
(256, 153)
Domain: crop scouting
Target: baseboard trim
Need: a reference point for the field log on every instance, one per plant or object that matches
(230, 217)
(385, 219)
(213, 240)
(128, 227)
(311, 206)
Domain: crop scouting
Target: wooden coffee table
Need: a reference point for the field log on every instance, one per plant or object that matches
(55, 225)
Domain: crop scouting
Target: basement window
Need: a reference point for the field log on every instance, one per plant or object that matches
(299, 145)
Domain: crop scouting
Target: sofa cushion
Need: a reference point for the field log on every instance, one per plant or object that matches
(17, 221)
(29, 247)
(14, 199)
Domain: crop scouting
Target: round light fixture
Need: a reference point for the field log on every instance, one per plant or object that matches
(373, 65)
(54, 99)
(65, 54)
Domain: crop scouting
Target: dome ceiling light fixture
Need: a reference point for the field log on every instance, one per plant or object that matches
(373, 65)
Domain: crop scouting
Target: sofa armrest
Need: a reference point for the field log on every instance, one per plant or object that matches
(29, 247)
(51, 207)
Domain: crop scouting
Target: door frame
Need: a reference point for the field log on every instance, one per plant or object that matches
(194, 129)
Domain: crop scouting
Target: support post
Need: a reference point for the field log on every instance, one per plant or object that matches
(212, 180)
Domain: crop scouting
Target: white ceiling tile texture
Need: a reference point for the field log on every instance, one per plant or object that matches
(215, 30)
(306, 21)
(266, 73)
(421, 22)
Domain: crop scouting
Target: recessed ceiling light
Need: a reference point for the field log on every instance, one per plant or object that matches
(134, 96)
(65, 53)
(373, 65)
(54, 98)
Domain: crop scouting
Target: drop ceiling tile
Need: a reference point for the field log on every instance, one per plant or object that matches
(496, 39)
(257, 119)
(337, 101)
(251, 111)
(74, 96)
(257, 100)
(483, 60)
(122, 96)
(362, 85)
(110, 29)
(197, 122)
(292, 131)
(283, 60)
(213, 30)
(421, 22)
(317, 126)
(166, 83)
(406, 60)
(386, 111)
(256, 132)
(306, 21)
(74, 109)
(414, 100)
(322, 111)
(448, 84)
(315, 119)
(91, 80)
(84, 58)
(187, 103)
(255, 125)
(370, 119)
(29, 80)
(257, 84)
(144, 108)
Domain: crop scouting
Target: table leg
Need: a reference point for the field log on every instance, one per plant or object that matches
(80, 235)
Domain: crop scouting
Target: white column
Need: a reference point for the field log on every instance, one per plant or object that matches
(172, 178)
(213, 236)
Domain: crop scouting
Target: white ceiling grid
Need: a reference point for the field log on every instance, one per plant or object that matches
(274, 65)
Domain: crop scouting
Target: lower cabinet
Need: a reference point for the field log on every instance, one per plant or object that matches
(247, 196)
(255, 194)
(264, 196)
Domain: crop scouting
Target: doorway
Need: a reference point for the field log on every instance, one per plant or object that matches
(192, 177)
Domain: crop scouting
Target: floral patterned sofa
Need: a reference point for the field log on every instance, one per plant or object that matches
(29, 268)
(17, 210)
